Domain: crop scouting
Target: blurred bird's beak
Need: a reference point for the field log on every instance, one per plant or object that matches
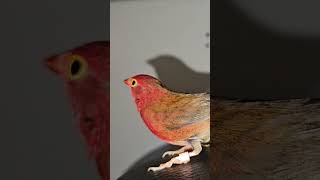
(51, 64)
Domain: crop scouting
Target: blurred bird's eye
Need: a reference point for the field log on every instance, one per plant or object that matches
(77, 67)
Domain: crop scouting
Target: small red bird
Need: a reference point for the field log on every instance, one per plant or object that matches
(176, 118)
(85, 72)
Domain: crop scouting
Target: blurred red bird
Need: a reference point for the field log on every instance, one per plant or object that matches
(176, 118)
(85, 72)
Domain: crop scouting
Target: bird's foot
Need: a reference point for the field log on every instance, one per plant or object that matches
(179, 151)
(183, 158)
(171, 153)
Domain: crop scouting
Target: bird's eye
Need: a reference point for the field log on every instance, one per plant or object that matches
(77, 67)
(134, 83)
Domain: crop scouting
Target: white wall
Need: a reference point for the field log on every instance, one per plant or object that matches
(140, 31)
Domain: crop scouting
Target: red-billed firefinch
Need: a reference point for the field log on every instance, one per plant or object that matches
(85, 71)
(176, 118)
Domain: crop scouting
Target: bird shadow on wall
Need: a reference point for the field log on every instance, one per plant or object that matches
(179, 77)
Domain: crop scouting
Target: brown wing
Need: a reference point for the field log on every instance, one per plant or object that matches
(181, 110)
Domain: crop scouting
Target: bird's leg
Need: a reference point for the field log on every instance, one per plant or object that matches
(197, 148)
(183, 158)
(179, 151)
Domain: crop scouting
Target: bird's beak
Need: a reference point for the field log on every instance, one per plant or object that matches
(126, 81)
(51, 64)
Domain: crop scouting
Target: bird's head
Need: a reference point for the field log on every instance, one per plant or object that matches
(90, 61)
(145, 87)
